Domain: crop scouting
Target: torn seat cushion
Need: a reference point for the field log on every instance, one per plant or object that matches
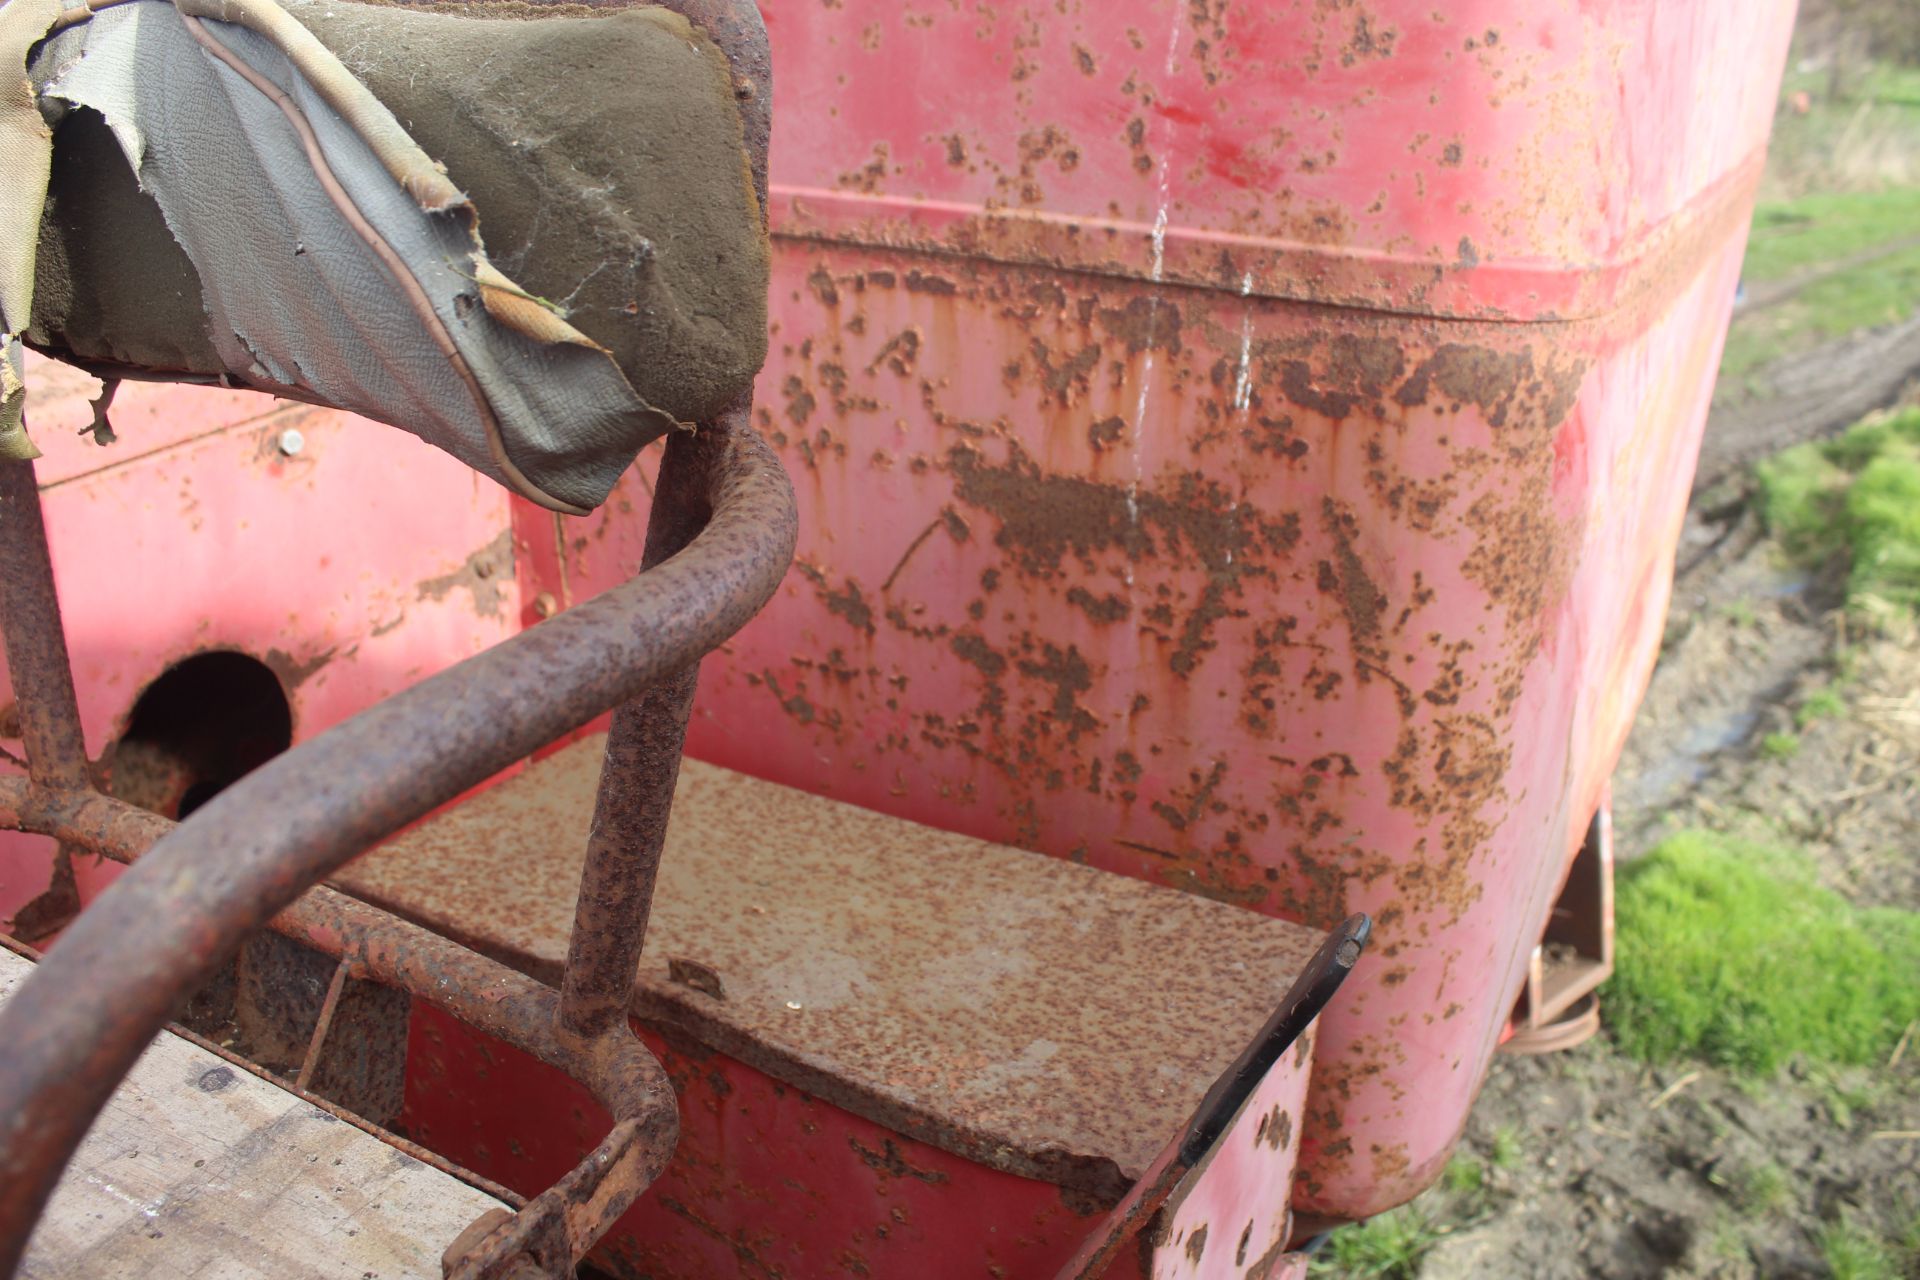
(602, 155)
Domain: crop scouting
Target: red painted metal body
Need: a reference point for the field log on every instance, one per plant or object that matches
(1240, 445)
(1243, 445)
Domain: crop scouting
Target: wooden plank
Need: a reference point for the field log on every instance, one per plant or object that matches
(200, 1169)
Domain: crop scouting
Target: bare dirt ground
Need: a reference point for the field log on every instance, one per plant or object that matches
(1589, 1164)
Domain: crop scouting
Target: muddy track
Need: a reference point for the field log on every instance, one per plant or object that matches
(1813, 394)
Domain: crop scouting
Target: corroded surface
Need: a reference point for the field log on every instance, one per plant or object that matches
(1027, 1013)
(170, 921)
(1241, 446)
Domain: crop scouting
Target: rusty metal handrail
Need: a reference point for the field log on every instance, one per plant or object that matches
(75, 1028)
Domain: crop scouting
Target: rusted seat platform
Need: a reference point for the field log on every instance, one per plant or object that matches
(1022, 1011)
(199, 1168)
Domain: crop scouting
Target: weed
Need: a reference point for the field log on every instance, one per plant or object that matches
(1843, 1094)
(1729, 952)
(1821, 704)
(1853, 1252)
(1740, 614)
(1760, 1188)
(1857, 496)
(1464, 1176)
(1506, 1148)
(1730, 1242)
(1389, 1247)
(1780, 746)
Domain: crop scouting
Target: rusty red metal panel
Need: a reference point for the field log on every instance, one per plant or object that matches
(766, 1182)
(721, 538)
(352, 561)
(1231, 1219)
(1044, 1019)
(1242, 445)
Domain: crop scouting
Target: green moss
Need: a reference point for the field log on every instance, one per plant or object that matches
(1857, 495)
(1729, 952)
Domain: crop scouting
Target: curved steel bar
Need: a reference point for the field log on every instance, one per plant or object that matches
(75, 1028)
(626, 1079)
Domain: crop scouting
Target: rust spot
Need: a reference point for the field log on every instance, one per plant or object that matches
(1044, 518)
(1070, 677)
(1107, 608)
(820, 280)
(1197, 1243)
(850, 604)
(1470, 375)
(971, 648)
(294, 672)
(920, 282)
(800, 401)
(1360, 599)
(1367, 42)
(1144, 324)
(1276, 1129)
(900, 353)
(691, 973)
(484, 574)
(870, 177)
(890, 1163)
(1357, 372)
(1065, 381)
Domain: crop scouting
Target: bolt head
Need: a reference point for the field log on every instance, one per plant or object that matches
(291, 442)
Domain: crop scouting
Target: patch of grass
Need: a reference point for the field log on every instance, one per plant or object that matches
(1740, 613)
(1857, 495)
(1506, 1148)
(1780, 746)
(1821, 704)
(1729, 952)
(1730, 1242)
(1791, 236)
(1863, 296)
(1389, 1247)
(1842, 232)
(1853, 1252)
(1761, 1188)
(1464, 1176)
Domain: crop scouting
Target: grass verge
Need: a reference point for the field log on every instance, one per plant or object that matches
(1829, 240)
(1729, 952)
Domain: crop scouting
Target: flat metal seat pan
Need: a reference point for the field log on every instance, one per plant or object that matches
(1020, 1010)
(200, 1168)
